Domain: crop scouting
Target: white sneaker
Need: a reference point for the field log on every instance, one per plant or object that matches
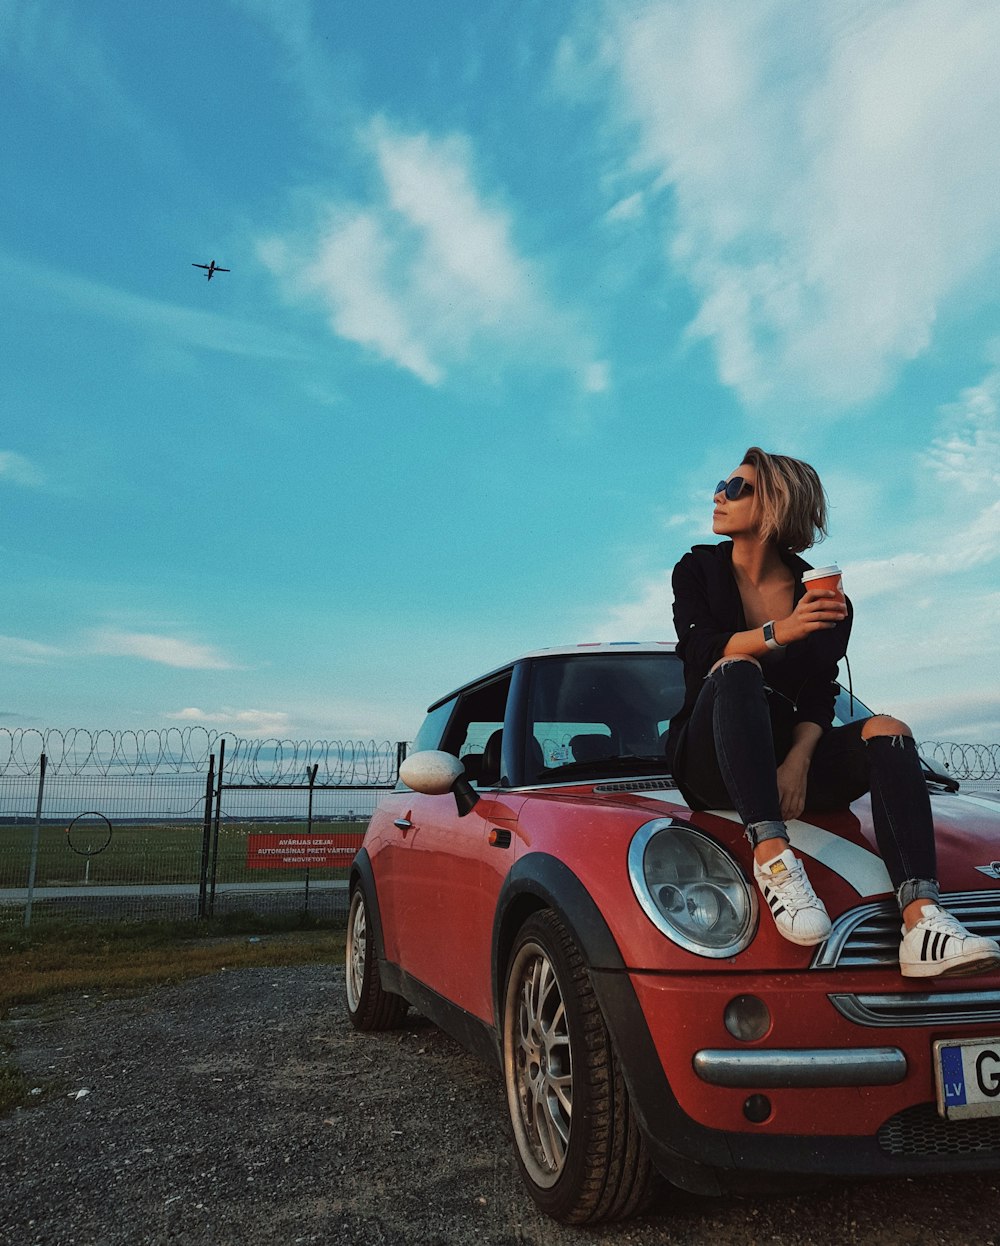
(798, 912)
(940, 946)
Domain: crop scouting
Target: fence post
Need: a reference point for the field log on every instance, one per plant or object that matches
(36, 836)
(400, 755)
(215, 826)
(206, 837)
(311, 772)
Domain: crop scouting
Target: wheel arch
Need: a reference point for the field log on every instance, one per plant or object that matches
(540, 881)
(362, 875)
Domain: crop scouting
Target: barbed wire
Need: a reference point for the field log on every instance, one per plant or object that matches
(186, 750)
(338, 762)
(77, 750)
(965, 761)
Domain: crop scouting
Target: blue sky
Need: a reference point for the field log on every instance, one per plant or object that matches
(512, 286)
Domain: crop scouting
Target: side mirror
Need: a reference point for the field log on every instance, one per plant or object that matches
(934, 772)
(434, 773)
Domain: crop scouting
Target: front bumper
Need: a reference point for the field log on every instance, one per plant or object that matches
(818, 1094)
(777, 1068)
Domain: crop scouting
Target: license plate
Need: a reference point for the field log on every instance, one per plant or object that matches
(967, 1072)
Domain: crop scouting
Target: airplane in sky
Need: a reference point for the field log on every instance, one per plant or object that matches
(212, 269)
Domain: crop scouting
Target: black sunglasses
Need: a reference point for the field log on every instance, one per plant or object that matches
(733, 489)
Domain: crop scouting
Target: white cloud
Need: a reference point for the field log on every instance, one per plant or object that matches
(427, 273)
(648, 616)
(966, 453)
(16, 468)
(19, 652)
(833, 174)
(167, 650)
(630, 208)
(247, 722)
(597, 377)
(961, 527)
(352, 269)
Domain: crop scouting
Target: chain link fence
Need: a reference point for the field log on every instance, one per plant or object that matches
(122, 826)
(181, 824)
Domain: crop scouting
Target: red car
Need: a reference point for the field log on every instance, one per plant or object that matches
(537, 887)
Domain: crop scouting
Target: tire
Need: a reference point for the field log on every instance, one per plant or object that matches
(578, 1143)
(368, 1006)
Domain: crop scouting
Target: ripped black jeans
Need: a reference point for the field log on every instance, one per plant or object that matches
(728, 755)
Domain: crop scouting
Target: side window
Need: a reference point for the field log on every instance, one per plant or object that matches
(429, 735)
(476, 730)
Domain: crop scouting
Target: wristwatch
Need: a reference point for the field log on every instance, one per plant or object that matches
(769, 638)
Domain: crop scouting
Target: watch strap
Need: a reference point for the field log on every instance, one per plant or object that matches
(769, 637)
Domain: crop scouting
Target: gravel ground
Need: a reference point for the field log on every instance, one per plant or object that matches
(242, 1108)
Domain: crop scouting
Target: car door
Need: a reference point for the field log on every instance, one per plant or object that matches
(453, 866)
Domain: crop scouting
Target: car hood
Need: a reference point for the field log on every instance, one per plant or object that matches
(967, 835)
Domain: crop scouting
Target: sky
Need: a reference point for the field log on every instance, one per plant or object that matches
(512, 286)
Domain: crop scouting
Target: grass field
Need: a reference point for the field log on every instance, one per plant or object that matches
(147, 853)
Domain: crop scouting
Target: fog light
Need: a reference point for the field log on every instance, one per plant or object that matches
(747, 1018)
(757, 1109)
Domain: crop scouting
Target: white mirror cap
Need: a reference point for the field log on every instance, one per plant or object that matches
(431, 772)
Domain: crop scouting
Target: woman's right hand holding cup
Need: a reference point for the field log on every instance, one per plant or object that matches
(817, 610)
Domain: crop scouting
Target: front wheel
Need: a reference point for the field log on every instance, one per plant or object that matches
(368, 1005)
(578, 1143)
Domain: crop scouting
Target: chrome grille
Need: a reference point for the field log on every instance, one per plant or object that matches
(970, 1007)
(920, 1131)
(869, 934)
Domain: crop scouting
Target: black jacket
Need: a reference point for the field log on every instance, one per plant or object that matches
(708, 610)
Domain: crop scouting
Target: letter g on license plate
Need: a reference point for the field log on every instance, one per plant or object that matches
(967, 1074)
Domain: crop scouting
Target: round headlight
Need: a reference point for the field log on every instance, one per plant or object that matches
(691, 889)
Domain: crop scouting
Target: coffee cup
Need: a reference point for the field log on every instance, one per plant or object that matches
(824, 578)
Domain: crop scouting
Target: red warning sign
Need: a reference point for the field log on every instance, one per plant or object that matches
(296, 852)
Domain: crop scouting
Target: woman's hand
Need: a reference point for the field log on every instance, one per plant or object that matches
(792, 775)
(817, 610)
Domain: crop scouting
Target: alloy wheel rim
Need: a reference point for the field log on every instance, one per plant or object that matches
(357, 948)
(542, 1066)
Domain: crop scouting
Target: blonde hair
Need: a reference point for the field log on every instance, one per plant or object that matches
(791, 501)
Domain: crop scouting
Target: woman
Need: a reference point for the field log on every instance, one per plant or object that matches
(760, 664)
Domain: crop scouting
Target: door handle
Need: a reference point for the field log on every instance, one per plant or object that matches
(404, 824)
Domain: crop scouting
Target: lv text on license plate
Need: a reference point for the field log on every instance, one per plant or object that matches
(967, 1072)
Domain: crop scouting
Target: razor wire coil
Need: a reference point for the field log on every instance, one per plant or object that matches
(975, 762)
(186, 750)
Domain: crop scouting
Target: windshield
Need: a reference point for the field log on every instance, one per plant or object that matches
(603, 713)
(848, 709)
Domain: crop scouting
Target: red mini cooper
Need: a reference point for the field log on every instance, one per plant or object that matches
(603, 943)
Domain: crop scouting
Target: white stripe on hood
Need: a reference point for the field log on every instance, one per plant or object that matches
(861, 868)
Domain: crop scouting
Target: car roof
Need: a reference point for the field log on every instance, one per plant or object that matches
(603, 646)
(558, 651)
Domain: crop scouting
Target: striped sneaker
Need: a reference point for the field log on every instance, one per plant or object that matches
(798, 912)
(939, 946)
